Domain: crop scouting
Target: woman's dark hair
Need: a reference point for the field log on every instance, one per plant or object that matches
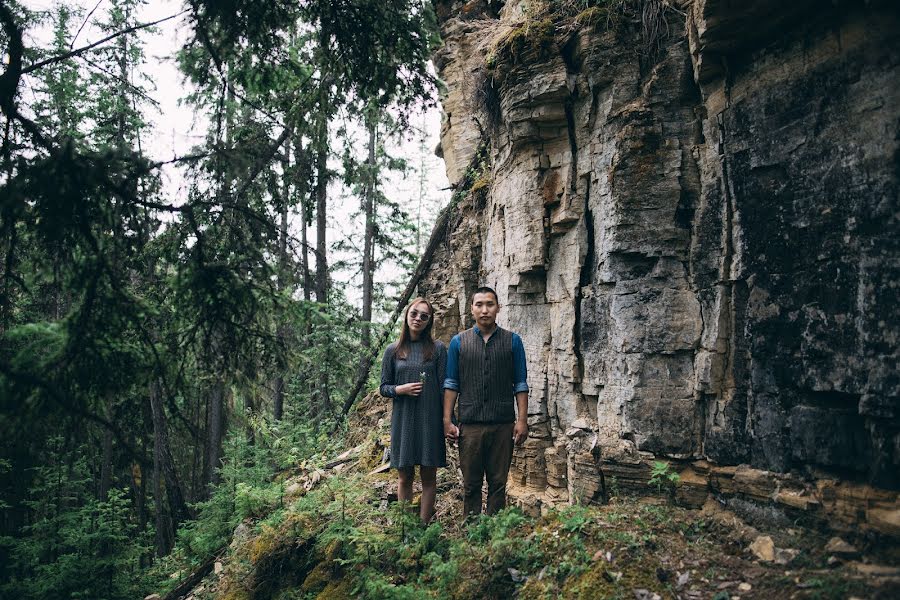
(425, 337)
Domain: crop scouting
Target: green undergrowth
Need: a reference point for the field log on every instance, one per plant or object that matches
(259, 457)
(341, 540)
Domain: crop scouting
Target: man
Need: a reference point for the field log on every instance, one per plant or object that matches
(485, 369)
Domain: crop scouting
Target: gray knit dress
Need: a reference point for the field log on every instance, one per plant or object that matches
(417, 423)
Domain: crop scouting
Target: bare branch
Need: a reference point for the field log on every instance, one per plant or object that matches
(83, 49)
(86, 19)
(120, 79)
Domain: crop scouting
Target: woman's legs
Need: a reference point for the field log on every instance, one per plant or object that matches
(429, 491)
(405, 476)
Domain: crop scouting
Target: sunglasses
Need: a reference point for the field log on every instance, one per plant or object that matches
(419, 316)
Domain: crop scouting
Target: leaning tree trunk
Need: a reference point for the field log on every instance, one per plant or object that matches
(437, 236)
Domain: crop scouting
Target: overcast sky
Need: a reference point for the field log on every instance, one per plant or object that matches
(175, 128)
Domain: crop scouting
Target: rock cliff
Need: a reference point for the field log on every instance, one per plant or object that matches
(690, 213)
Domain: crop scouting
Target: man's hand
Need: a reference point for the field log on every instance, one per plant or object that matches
(409, 389)
(451, 431)
(520, 431)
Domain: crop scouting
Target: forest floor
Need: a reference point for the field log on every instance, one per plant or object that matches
(338, 533)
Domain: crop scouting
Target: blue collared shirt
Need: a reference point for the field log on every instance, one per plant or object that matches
(520, 367)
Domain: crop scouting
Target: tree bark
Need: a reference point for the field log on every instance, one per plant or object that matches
(323, 399)
(215, 412)
(106, 465)
(321, 223)
(303, 170)
(162, 528)
(284, 279)
(215, 425)
(164, 473)
(368, 263)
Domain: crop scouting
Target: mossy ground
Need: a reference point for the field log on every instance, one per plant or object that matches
(358, 547)
(345, 539)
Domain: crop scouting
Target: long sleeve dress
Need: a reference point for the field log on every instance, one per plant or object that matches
(417, 424)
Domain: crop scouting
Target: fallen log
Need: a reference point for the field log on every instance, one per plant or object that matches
(184, 588)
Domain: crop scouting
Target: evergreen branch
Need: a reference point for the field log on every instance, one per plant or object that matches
(204, 37)
(178, 159)
(254, 105)
(83, 49)
(121, 79)
(60, 398)
(262, 162)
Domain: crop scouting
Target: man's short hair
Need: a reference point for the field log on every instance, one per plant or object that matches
(485, 290)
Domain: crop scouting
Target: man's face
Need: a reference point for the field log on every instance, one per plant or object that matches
(484, 309)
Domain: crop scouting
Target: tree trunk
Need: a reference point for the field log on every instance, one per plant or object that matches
(368, 263)
(164, 473)
(106, 465)
(122, 96)
(321, 224)
(323, 400)
(303, 170)
(215, 411)
(284, 278)
(163, 529)
(215, 425)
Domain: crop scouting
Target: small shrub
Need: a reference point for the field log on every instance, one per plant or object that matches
(663, 477)
(573, 519)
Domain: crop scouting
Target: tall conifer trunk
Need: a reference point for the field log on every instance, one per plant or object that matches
(215, 426)
(106, 465)
(284, 279)
(321, 222)
(323, 400)
(368, 263)
(164, 474)
(302, 168)
(215, 413)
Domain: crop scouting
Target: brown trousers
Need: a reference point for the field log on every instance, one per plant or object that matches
(485, 452)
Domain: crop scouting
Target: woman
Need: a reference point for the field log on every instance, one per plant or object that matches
(412, 373)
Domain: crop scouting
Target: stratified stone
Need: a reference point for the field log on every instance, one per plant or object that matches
(698, 246)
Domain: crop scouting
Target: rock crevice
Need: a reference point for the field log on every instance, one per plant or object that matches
(697, 243)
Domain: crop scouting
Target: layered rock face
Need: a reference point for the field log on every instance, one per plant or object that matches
(690, 214)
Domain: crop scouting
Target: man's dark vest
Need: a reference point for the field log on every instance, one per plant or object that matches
(486, 378)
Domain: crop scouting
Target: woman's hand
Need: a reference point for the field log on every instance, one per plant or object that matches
(409, 389)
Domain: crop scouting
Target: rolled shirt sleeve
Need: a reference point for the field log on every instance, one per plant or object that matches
(451, 379)
(520, 366)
